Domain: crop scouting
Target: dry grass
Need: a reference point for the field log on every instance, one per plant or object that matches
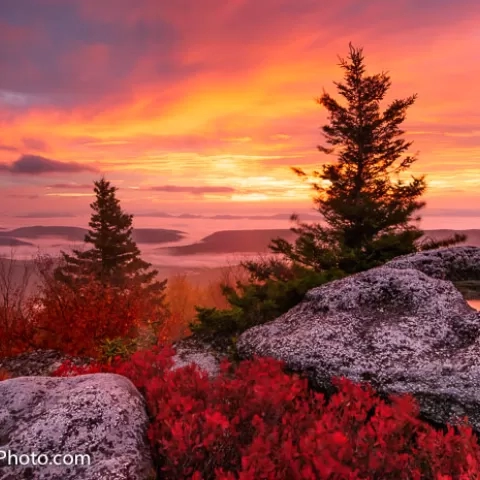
(185, 292)
(15, 279)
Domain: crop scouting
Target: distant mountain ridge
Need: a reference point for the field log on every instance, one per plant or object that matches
(257, 241)
(13, 242)
(222, 241)
(77, 234)
(232, 241)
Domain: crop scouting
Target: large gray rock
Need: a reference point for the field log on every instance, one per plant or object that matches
(101, 415)
(454, 263)
(400, 329)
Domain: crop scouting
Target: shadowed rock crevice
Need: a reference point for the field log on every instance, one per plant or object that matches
(200, 353)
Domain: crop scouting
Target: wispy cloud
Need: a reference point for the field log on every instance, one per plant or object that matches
(191, 189)
(46, 215)
(35, 144)
(35, 164)
(75, 186)
(23, 195)
(8, 148)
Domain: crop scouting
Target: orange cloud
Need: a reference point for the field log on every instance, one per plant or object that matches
(224, 92)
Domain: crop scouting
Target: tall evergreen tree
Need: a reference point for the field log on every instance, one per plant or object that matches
(368, 208)
(114, 258)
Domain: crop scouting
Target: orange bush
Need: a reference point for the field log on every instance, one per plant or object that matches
(76, 322)
(172, 329)
(185, 292)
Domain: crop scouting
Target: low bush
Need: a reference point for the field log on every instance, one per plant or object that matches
(255, 421)
(117, 348)
(81, 321)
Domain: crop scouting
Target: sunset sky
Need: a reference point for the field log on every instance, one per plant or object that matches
(203, 105)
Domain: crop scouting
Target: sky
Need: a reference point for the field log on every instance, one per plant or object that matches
(195, 106)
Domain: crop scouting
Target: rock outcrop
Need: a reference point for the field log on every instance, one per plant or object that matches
(102, 416)
(192, 350)
(454, 264)
(394, 326)
(37, 363)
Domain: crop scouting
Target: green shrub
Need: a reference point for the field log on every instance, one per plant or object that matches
(118, 347)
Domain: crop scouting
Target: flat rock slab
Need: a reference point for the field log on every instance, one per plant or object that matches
(399, 329)
(101, 416)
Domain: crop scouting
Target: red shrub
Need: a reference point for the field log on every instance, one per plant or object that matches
(70, 369)
(78, 321)
(257, 422)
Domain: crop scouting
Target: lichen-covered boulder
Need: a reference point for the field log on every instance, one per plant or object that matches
(101, 416)
(401, 330)
(37, 363)
(192, 350)
(454, 263)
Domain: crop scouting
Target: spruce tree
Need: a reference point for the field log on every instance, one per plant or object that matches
(369, 208)
(114, 258)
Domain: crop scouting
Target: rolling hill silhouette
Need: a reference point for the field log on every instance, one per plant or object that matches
(77, 234)
(257, 241)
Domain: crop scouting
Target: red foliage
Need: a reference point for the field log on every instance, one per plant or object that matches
(78, 321)
(70, 369)
(257, 422)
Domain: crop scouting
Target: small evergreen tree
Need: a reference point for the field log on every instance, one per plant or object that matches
(367, 207)
(274, 287)
(114, 259)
